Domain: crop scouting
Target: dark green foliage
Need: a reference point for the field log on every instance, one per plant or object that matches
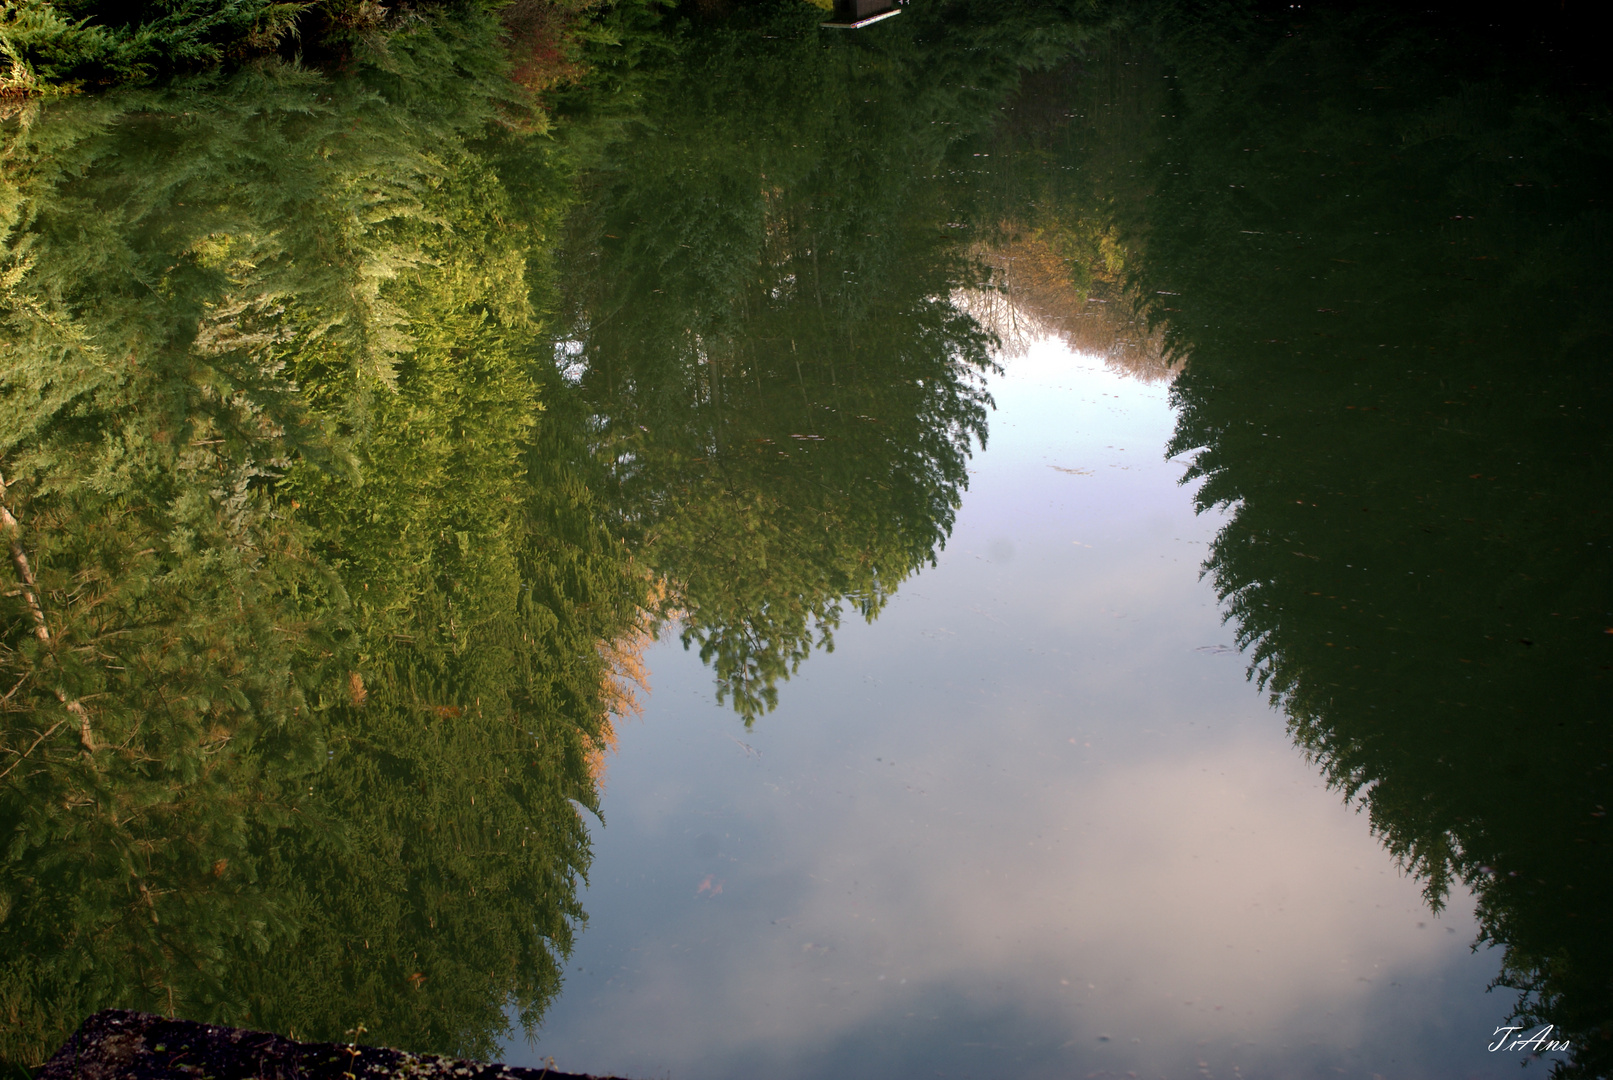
(52, 46)
(763, 317)
(1386, 264)
(55, 46)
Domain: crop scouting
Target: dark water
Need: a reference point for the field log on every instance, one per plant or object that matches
(1122, 500)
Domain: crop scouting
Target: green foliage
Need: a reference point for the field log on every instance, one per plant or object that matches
(762, 319)
(270, 425)
(51, 46)
(307, 741)
(42, 47)
(55, 46)
(1385, 263)
(139, 435)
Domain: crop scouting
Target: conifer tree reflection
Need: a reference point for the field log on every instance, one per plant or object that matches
(1398, 380)
(269, 421)
(311, 662)
(764, 324)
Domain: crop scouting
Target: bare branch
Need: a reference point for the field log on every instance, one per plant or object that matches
(30, 590)
(19, 558)
(24, 756)
(15, 688)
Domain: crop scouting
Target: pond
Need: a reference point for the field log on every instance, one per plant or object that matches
(1008, 542)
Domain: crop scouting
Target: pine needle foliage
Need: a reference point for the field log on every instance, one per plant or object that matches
(1384, 256)
(763, 316)
(306, 741)
(63, 46)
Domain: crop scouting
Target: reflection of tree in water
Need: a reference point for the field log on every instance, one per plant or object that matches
(1059, 264)
(330, 561)
(765, 326)
(328, 599)
(1033, 296)
(347, 614)
(1399, 383)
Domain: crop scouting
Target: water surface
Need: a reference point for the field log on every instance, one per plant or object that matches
(1005, 544)
(1033, 820)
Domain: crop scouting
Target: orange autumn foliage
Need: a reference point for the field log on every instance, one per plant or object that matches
(626, 679)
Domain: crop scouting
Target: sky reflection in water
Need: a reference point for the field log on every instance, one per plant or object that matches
(1032, 821)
